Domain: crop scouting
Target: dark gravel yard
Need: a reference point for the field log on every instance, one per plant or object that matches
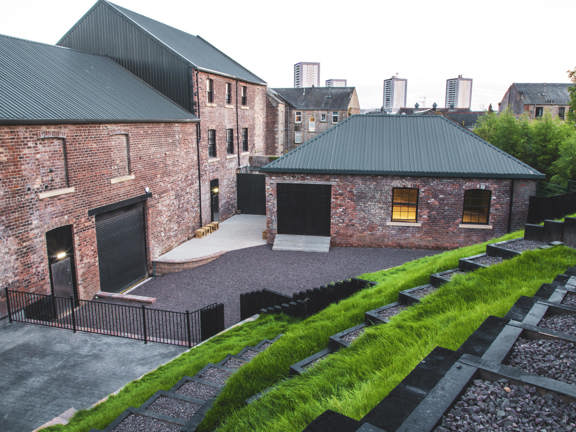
(244, 270)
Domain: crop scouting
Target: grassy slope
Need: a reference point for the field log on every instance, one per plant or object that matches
(354, 380)
(163, 378)
(311, 335)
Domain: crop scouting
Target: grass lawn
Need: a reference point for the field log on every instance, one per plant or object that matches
(354, 380)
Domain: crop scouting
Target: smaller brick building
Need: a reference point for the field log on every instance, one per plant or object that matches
(98, 172)
(404, 181)
(296, 115)
(536, 99)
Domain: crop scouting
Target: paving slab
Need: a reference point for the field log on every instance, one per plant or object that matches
(46, 371)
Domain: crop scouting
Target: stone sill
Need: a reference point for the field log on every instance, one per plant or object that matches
(212, 160)
(472, 226)
(405, 224)
(210, 104)
(244, 107)
(230, 156)
(56, 192)
(122, 179)
(245, 153)
(228, 106)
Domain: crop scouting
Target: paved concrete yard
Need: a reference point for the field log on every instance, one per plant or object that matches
(45, 371)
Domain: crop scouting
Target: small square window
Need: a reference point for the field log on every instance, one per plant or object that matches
(323, 117)
(404, 205)
(298, 117)
(335, 117)
(212, 142)
(476, 207)
(230, 141)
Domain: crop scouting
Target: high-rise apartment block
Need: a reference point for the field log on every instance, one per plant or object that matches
(307, 74)
(336, 83)
(394, 94)
(459, 92)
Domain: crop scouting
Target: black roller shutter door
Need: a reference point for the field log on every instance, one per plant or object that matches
(121, 247)
(304, 209)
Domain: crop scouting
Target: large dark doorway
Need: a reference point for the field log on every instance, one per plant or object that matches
(60, 248)
(214, 201)
(251, 193)
(304, 209)
(121, 237)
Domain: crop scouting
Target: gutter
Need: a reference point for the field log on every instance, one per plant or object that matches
(195, 90)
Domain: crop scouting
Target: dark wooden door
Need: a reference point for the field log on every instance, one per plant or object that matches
(303, 209)
(251, 193)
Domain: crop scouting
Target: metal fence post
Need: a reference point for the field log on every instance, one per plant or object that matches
(8, 305)
(144, 324)
(188, 330)
(73, 314)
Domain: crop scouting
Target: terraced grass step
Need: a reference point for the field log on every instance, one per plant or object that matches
(344, 338)
(414, 295)
(304, 364)
(196, 388)
(383, 314)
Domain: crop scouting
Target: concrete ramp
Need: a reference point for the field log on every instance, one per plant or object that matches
(301, 243)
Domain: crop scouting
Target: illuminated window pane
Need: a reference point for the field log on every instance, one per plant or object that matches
(476, 207)
(404, 205)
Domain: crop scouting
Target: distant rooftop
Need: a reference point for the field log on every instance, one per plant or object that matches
(317, 98)
(419, 145)
(544, 93)
(48, 84)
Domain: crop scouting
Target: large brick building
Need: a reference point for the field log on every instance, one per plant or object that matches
(98, 172)
(229, 100)
(535, 99)
(403, 181)
(296, 115)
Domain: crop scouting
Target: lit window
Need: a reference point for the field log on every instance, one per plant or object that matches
(476, 207)
(210, 90)
(228, 93)
(312, 124)
(335, 117)
(404, 205)
(230, 141)
(298, 117)
(212, 142)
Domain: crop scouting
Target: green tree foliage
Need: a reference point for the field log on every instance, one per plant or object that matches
(547, 144)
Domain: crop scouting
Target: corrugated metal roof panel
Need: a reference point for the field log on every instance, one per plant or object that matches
(376, 144)
(317, 98)
(192, 48)
(41, 82)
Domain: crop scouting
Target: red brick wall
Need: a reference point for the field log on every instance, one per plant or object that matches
(221, 116)
(361, 209)
(162, 157)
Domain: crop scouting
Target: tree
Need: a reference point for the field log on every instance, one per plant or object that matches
(564, 167)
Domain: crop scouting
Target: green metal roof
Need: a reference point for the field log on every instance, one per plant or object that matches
(422, 146)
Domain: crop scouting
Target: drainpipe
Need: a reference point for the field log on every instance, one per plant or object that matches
(198, 138)
(511, 205)
(237, 126)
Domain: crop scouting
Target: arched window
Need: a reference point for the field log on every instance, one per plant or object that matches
(476, 207)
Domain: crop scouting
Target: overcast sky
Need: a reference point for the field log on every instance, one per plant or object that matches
(494, 42)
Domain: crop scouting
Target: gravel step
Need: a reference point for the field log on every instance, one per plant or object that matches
(552, 358)
(569, 299)
(504, 406)
(386, 314)
(233, 362)
(194, 388)
(173, 407)
(487, 261)
(248, 354)
(561, 322)
(522, 245)
(139, 423)
(215, 374)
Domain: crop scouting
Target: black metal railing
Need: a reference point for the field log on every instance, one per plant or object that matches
(133, 322)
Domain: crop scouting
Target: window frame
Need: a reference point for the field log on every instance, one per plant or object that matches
(228, 93)
(538, 112)
(230, 141)
(298, 117)
(335, 115)
(465, 208)
(212, 148)
(323, 117)
(245, 139)
(562, 113)
(404, 204)
(210, 90)
(244, 95)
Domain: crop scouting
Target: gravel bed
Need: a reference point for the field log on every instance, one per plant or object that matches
(521, 245)
(560, 322)
(353, 335)
(264, 346)
(503, 406)
(390, 312)
(174, 407)
(197, 390)
(137, 423)
(551, 358)
(234, 363)
(450, 275)
(569, 299)
(423, 292)
(215, 375)
(249, 354)
(487, 260)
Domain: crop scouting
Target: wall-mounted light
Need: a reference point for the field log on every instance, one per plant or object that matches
(215, 190)
(61, 255)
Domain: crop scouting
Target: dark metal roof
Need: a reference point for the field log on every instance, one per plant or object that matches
(544, 93)
(422, 146)
(317, 98)
(47, 84)
(195, 50)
